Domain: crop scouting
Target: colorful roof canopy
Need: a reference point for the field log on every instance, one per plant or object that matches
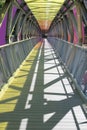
(44, 10)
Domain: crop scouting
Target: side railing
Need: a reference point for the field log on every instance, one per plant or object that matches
(11, 57)
(74, 59)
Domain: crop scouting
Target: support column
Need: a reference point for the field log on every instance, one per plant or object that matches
(9, 23)
(17, 27)
(79, 23)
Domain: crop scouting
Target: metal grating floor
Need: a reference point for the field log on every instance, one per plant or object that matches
(40, 96)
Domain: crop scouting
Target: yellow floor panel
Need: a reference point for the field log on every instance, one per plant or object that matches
(40, 96)
(3, 125)
(14, 88)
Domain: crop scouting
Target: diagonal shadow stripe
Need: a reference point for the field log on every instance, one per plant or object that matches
(54, 81)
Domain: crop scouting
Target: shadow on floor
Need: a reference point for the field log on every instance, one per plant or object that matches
(33, 117)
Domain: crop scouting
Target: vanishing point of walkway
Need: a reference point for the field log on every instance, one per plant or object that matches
(40, 95)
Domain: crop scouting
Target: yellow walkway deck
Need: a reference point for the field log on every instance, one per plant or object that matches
(40, 97)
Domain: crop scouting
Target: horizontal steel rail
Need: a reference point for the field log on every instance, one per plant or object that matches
(11, 57)
(74, 58)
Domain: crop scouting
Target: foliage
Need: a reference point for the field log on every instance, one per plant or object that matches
(2, 3)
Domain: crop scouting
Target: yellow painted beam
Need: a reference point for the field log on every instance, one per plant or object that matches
(44, 10)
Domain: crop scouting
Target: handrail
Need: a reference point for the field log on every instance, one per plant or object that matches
(12, 55)
(17, 42)
(74, 58)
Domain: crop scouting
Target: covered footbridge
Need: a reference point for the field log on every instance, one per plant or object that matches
(43, 65)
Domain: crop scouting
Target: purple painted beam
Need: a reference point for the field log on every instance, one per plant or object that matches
(3, 31)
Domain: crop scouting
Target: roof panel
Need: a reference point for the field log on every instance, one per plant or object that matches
(44, 10)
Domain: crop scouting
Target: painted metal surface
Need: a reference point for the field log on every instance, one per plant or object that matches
(11, 56)
(44, 10)
(44, 16)
(14, 91)
(40, 96)
(74, 58)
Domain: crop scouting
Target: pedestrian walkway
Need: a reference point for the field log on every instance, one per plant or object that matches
(40, 95)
